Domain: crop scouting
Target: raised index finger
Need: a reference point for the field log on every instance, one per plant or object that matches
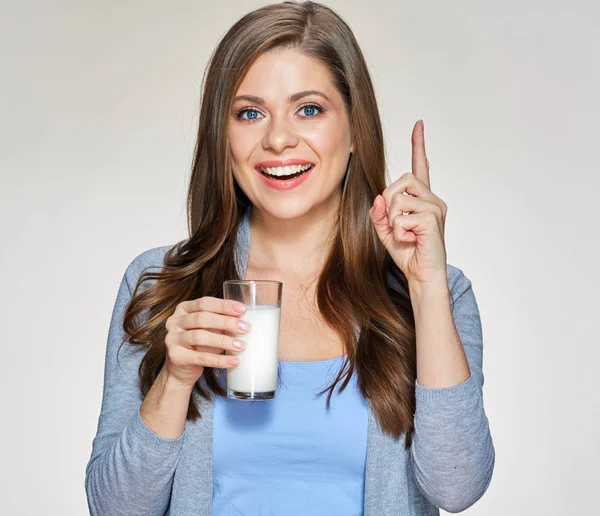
(420, 165)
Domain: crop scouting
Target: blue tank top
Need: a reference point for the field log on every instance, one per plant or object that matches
(290, 455)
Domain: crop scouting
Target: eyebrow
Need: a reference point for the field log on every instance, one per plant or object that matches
(293, 98)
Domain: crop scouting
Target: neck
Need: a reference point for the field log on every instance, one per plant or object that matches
(293, 247)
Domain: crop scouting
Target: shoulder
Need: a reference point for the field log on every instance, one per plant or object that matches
(151, 259)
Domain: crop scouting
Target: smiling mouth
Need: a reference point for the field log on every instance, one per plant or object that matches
(284, 178)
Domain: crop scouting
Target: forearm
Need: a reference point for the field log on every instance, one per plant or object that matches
(441, 360)
(133, 475)
(131, 468)
(165, 407)
(452, 452)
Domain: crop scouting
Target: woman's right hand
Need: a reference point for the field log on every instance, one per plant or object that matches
(196, 337)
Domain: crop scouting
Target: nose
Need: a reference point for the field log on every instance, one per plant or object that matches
(279, 134)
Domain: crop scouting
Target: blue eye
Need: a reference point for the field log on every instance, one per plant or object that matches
(250, 111)
(313, 110)
(311, 107)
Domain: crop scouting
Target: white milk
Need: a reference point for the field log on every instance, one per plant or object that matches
(257, 371)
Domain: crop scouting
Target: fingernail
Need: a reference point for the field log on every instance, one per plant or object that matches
(243, 325)
(239, 344)
(233, 361)
(239, 307)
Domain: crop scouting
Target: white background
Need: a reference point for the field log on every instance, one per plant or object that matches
(98, 112)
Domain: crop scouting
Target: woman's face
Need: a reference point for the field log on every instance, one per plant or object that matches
(314, 129)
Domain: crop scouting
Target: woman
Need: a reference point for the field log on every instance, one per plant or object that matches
(371, 313)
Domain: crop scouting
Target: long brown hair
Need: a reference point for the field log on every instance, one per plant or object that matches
(359, 283)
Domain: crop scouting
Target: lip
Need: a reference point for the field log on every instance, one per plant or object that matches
(278, 184)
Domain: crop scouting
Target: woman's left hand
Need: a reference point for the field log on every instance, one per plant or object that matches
(415, 241)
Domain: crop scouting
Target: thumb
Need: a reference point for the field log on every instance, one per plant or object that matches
(378, 214)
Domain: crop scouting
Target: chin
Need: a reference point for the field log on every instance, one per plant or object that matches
(287, 209)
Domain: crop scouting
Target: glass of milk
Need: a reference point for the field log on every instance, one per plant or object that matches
(255, 378)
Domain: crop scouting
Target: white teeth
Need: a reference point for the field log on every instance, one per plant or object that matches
(285, 171)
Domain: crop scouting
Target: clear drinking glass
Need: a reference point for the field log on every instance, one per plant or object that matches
(255, 378)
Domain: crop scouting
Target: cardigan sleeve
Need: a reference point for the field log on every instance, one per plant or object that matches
(452, 452)
(130, 471)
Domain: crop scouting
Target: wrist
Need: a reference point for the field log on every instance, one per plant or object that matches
(165, 407)
(436, 285)
(169, 383)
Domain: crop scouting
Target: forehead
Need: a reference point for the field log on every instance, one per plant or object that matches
(281, 72)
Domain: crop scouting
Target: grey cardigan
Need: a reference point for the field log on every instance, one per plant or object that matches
(133, 471)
